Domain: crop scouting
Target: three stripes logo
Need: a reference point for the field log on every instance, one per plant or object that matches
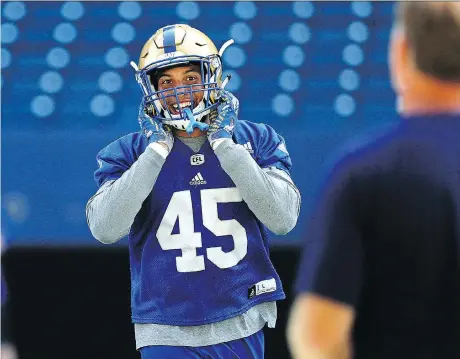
(248, 147)
(197, 180)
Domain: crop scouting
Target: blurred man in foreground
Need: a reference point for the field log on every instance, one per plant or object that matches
(380, 275)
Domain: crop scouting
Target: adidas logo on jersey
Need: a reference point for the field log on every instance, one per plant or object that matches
(248, 147)
(197, 180)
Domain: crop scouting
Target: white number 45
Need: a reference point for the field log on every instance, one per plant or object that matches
(180, 208)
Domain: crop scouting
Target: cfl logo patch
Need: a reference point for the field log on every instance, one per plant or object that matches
(197, 160)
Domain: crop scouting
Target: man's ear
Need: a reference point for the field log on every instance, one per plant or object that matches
(399, 60)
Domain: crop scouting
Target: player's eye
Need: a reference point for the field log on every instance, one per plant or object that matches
(165, 81)
(191, 78)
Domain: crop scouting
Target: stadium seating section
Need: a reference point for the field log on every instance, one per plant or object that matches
(315, 71)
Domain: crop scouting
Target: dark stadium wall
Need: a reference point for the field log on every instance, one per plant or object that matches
(75, 303)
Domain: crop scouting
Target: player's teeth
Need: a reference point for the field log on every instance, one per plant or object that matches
(182, 105)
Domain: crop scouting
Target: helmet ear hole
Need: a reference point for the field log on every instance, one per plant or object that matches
(154, 77)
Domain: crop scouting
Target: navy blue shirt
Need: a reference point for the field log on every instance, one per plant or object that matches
(385, 240)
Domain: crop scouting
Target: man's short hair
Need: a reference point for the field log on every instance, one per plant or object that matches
(433, 34)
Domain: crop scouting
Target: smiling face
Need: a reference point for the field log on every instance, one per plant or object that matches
(185, 75)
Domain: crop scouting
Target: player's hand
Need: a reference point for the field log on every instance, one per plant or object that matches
(154, 130)
(227, 116)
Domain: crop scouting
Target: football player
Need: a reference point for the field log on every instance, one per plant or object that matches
(196, 189)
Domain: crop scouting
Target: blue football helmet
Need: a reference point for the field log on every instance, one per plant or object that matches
(176, 45)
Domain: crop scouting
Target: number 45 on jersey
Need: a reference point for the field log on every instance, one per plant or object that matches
(187, 240)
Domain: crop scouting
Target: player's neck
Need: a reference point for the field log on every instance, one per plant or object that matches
(439, 99)
(196, 133)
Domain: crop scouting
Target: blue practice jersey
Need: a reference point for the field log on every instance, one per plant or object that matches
(198, 254)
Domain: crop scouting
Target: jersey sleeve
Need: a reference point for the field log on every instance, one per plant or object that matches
(271, 150)
(113, 161)
(332, 260)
